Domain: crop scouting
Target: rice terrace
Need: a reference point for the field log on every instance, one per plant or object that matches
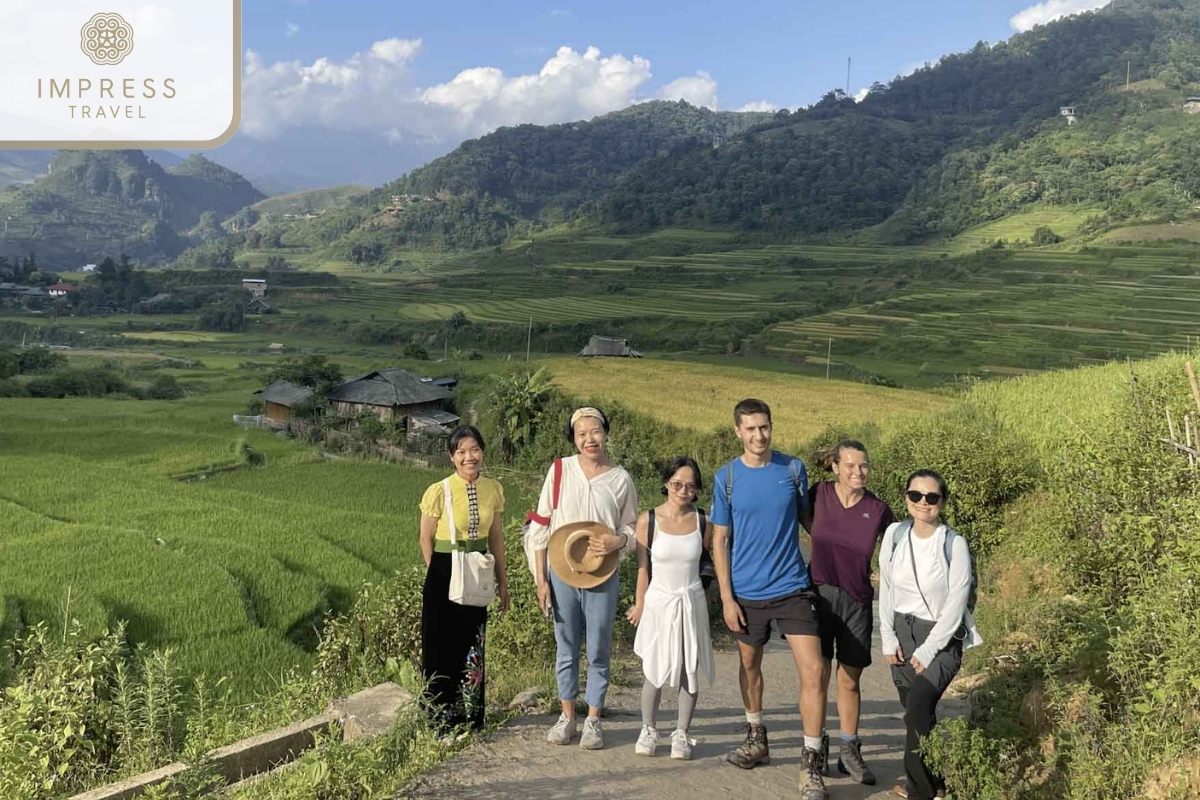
(229, 379)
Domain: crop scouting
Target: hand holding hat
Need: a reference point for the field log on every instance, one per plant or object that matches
(579, 554)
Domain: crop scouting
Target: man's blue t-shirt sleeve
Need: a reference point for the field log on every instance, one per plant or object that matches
(721, 514)
(802, 490)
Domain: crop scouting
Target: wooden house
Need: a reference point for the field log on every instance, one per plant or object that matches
(1192, 105)
(603, 346)
(393, 395)
(257, 287)
(281, 397)
(259, 306)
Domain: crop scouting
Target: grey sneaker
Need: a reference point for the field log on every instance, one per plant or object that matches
(563, 731)
(812, 785)
(681, 746)
(592, 737)
(647, 742)
(754, 750)
(851, 763)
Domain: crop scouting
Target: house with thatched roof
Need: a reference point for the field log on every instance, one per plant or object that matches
(604, 346)
(393, 395)
(281, 397)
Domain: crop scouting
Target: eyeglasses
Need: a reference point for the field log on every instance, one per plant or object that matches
(678, 486)
(932, 498)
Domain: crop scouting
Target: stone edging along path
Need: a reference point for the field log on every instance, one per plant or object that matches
(516, 761)
(368, 713)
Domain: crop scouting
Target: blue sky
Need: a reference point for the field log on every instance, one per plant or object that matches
(786, 53)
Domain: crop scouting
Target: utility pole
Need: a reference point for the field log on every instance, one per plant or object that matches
(529, 339)
(1128, 73)
(828, 355)
(848, 59)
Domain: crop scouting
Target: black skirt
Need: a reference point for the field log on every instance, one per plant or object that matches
(452, 643)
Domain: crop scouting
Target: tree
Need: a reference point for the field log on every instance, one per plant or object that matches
(519, 402)
(1044, 236)
(313, 371)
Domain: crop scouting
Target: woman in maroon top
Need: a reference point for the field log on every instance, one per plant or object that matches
(845, 523)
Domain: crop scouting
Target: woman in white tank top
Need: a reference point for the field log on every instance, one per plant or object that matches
(671, 612)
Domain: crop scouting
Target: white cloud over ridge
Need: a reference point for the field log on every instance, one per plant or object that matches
(699, 90)
(376, 91)
(1050, 10)
(759, 105)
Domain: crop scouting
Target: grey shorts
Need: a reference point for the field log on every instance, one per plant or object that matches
(846, 627)
(912, 632)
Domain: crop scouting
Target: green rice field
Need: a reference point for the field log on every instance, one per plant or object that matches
(233, 570)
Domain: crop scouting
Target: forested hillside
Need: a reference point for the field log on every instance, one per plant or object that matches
(94, 203)
(976, 137)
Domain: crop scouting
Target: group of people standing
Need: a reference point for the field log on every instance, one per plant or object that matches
(587, 520)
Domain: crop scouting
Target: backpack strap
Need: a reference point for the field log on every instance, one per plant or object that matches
(533, 516)
(795, 474)
(649, 544)
(729, 485)
(904, 529)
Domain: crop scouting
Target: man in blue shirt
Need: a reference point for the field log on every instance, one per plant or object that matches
(763, 578)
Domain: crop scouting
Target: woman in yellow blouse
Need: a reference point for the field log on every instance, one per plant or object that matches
(453, 635)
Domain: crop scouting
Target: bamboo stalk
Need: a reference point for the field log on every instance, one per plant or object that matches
(1187, 437)
(1171, 426)
(1183, 448)
(1192, 380)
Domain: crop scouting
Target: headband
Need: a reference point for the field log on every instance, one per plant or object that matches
(587, 411)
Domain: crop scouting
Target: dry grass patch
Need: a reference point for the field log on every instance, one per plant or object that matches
(702, 396)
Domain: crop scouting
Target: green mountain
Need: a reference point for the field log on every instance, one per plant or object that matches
(97, 203)
(977, 137)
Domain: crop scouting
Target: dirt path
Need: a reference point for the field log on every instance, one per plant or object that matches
(517, 761)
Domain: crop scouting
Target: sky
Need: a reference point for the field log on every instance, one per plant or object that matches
(444, 71)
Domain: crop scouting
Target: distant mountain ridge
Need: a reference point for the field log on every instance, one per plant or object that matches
(94, 203)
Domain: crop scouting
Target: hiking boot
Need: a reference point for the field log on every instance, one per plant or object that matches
(812, 785)
(851, 763)
(647, 742)
(592, 737)
(563, 731)
(754, 750)
(681, 746)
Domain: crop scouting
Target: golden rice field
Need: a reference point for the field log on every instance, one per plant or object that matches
(702, 396)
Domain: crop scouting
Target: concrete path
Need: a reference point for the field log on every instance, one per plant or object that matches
(517, 762)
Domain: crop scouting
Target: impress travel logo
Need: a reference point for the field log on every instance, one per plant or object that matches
(161, 75)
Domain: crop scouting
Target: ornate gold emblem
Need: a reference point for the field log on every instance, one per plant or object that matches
(107, 39)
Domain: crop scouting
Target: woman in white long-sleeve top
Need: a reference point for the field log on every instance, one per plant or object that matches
(924, 586)
(590, 488)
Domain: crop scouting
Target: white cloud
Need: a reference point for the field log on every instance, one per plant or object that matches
(861, 94)
(699, 90)
(292, 29)
(377, 91)
(1051, 10)
(396, 51)
(759, 105)
(560, 12)
(570, 85)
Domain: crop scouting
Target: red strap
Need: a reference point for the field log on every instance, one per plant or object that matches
(533, 515)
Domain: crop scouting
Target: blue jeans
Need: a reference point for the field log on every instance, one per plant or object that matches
(575, 610)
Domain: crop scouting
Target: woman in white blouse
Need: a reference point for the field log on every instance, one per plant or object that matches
(924, 585)
(592, 489)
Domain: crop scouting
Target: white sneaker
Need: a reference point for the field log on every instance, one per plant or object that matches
(592, 737)
(647, 742)
(681, 746)
(563, 731)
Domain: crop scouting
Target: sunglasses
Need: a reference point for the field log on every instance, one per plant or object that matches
(932, 498)
(678, 486)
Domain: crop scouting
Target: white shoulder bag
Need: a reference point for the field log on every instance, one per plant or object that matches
(472, 575)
